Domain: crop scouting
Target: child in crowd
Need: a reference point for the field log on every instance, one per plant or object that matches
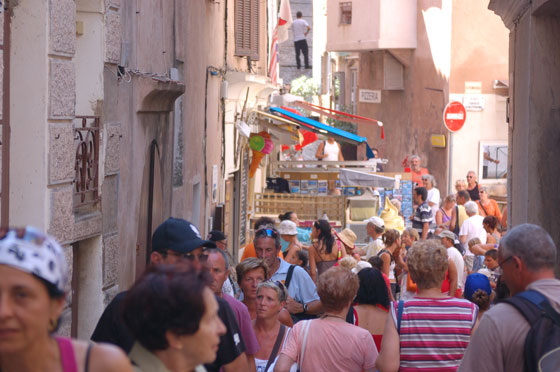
(491, 263)
(302, 259)
(478, 291)
(477, 263)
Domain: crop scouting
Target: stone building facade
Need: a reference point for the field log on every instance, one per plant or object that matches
(121, 117)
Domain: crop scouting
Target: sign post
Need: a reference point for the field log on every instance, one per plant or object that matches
(454, 116)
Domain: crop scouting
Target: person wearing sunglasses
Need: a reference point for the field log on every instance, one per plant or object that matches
(177, 242)
(303, 299)
(472, 186)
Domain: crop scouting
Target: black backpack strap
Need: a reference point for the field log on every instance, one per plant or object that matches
(289, 276)
(529, 304)
(276, 347)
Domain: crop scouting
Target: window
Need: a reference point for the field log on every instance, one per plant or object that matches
(247, 28)
(393, 72)
(346, 13)
(493, 160)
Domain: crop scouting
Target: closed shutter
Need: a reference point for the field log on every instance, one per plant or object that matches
(247, 28)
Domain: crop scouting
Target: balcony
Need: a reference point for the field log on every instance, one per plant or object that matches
(86, 180)
(363, 25)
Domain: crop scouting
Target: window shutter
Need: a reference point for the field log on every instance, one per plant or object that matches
(247, 28)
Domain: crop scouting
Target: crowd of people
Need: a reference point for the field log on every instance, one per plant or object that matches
(445, 294)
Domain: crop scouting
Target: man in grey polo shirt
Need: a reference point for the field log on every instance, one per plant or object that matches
(303, 297)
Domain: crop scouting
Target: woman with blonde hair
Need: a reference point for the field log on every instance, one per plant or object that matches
(392, 242)
(271, 333)
(431, 320)
(250, 273)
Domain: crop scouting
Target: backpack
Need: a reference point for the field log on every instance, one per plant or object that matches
(541, 351)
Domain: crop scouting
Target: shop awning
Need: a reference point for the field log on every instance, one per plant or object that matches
(350, 177)
(321, 128)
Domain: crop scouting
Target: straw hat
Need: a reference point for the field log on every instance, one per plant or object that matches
(348, 237)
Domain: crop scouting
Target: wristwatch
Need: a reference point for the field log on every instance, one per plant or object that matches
(304, 308)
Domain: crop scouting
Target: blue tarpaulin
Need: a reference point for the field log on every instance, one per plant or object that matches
(320, 127)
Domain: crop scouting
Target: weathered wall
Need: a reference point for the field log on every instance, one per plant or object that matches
(535, 92)
(411, 115)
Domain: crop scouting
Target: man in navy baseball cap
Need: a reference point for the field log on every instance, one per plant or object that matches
(176, 239)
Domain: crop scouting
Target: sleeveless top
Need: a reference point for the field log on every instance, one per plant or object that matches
(331, 151)
(474, 193)
(391, 266)
(67, 356)
(444, 217)
(376, 338)
(323, 266)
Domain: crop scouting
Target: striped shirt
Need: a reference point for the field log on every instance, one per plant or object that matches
(434, 333)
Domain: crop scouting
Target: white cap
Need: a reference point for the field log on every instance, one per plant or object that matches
(376, 221)
(360, 266)
(287, 228)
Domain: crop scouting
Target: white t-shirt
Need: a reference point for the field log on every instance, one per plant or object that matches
(457, 259)
(472, 228)
(374, 247)
(433, 196)
(299, 27)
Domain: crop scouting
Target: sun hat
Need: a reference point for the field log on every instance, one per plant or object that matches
(179, 236)
(376, 221)
(287, 228)
(447, 234)
(348, 237)
(475, 282)
(31, 251)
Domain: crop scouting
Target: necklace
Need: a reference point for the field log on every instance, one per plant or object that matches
(333, 316)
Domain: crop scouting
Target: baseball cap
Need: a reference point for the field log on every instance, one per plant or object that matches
(446, 234)
(29, 250)
(376, 221)
(216, 236)
(178, 235)
(475, 282)
(287, 228)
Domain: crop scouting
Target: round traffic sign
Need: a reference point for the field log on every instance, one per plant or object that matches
(454, 116)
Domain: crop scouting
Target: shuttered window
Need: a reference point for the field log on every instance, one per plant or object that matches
(247, 28)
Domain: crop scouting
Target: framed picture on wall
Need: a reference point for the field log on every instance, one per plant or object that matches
(492, 160)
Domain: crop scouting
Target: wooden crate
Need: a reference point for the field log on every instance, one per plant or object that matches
(307, 207)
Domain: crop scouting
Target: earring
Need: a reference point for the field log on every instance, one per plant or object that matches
(53, 325)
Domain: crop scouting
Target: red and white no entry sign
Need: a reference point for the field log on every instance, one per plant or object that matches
(454, 116)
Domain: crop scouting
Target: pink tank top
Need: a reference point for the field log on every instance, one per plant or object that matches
(67, 357)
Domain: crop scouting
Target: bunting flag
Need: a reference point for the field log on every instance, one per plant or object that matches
(339, 115)
(273, 65)
(279, 35)
(284, 20)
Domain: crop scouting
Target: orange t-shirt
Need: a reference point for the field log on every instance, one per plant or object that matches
(249, 251)
(417, 176)
(491, 209)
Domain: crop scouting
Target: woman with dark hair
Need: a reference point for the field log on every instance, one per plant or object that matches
(325, 251)
(490, 224)
(330, 343)
(303, 232)
(371, 305)
(271, 333)
(33, 291)
(173, 315)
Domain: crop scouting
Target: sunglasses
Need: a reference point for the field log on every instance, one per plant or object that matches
(203, 257)
(271, 233)
(505, 260)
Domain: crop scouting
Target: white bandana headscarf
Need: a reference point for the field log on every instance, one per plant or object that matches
(29, 250)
